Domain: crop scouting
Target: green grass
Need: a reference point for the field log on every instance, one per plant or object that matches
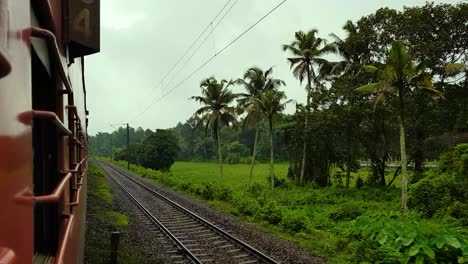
(235, 175)
(99, 184)
(97, 244)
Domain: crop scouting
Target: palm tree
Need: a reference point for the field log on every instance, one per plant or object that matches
(307, 49)
(216, 98)
(270, 103)
(255, 82)
(401, 76)
(353, 51)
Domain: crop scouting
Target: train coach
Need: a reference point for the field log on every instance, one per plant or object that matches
(43, 122)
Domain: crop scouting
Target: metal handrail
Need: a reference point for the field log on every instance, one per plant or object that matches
(59, 258)
(28, 116)
(55, 195)
(54, 118)
(51, 39)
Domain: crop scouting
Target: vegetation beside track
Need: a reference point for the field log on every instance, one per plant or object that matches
(345, 225)
(102, 219)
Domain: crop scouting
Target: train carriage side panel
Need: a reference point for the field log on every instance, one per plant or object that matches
(16, 217)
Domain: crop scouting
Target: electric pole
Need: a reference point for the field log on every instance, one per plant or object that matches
(128, 150)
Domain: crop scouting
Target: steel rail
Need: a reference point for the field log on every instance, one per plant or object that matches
(155, 220)
(234, 239)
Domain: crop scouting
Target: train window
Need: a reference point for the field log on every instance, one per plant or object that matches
(46, 173)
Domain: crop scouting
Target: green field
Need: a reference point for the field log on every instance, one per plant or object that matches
(235, 175)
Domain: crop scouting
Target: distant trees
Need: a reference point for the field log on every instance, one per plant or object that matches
(158, 151)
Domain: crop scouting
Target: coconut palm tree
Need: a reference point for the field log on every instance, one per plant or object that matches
(216, 99)
(353, 51)
(270, 103)
(255, 82)
(307, 50)
(399, 75)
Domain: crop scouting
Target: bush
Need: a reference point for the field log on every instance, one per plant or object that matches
(444, 187)
(247, 206)
(280, 182)
(359, 183)
(400, 240)
(256, 189)
(222, 193)
(216, 192)
(272, 212)
(348, 211)
(295, 221)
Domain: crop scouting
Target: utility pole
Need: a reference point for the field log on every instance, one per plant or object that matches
(128, 144)
(110, 143)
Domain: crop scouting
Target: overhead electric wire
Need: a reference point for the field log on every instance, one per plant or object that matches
(195, 41)
(209, 60)
(202, 42)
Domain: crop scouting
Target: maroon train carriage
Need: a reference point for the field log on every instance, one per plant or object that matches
(43, 122)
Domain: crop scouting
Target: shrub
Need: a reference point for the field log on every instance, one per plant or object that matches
(215, 191)
(359, 183)
(281, 182)
(445, 186)
(256, 189)
(208, 192)
(295, 221)
(347, 211)
(247, 206)
(222, 193)
(272, 212)
(197, 189)
(400, 240)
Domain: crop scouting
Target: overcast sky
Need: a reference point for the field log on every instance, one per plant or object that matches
(142, 39)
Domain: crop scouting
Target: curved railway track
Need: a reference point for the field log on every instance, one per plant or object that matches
(197, 239)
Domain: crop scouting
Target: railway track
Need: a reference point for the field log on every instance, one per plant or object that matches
(197, 240)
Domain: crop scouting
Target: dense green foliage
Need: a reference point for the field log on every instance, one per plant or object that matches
(444, 190)
(157, 151)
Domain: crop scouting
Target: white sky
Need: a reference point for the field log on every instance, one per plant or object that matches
(142, 39)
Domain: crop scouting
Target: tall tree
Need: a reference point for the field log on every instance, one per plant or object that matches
(217, 110)
(255, 81)
(399, 75)
(307, 50)
(270, 103)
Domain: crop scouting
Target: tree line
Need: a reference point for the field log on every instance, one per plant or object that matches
(397, 92)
